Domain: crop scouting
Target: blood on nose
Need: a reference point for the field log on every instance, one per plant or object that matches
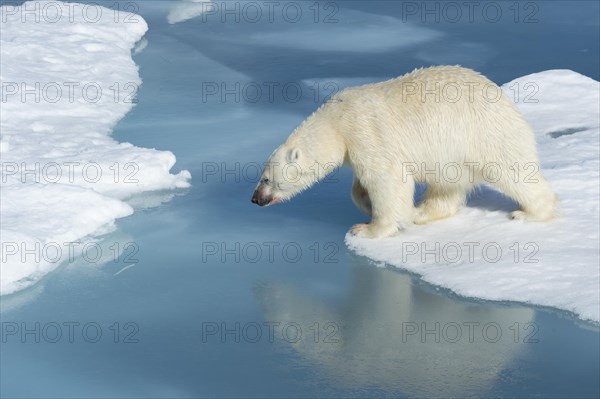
(255, 197)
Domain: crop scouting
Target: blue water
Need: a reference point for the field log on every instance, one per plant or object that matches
(215, 297)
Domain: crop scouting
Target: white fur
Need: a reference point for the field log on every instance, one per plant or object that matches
(391, 133)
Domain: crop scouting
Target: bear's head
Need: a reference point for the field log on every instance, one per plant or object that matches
(290, 170)
(312, 151)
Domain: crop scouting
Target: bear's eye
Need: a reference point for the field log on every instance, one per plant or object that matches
(265, 181)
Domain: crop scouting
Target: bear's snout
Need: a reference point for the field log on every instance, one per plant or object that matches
(260, 199)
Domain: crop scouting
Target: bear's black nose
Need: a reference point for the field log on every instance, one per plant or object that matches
(259, 199)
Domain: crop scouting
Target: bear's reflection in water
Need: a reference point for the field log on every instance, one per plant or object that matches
(390, 335)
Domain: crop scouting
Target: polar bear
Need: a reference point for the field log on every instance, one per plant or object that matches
(446, 126)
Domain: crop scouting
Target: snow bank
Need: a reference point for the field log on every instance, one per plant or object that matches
(481, 253)
(67, 79)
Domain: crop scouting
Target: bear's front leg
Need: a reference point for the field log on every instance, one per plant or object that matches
(392, 206)
(360, 197)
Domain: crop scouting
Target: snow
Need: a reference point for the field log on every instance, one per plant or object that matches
(552, 264)
(183, 11)
(67, 79)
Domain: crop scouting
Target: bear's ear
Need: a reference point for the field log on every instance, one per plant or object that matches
(293, 155)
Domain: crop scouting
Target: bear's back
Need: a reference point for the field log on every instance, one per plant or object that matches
(444, 112)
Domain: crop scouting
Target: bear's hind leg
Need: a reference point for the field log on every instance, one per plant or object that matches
(440, 203)
(360, 197)
(534, 195)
